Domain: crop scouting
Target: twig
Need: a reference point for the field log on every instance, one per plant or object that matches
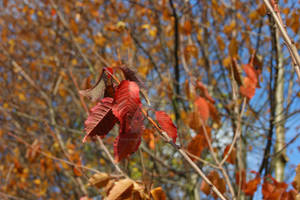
(110, 157)
(289, 43)
(64, 22)
(237, 133)
(50, 156)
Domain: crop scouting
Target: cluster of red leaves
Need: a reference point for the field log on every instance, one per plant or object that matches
(271, 189)
(121, 105)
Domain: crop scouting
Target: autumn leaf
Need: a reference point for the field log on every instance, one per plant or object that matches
(251, 186)
(202, 108)
(217, 181)
(121, 189)
(195, 146)
(100, 120)
(248, 88)
(251, 73)
(99, 180)
(204, 92)
(126, 144)
(126, 100)
(198, 143)
(131, 75)
(102, 88)
(166, 124)
(232, 156)
(214, 113)
(130, 134)
(158, 194)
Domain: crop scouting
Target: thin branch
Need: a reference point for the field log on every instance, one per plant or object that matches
(273, 9)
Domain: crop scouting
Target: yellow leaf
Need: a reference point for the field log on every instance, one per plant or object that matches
(99, 39)
(21, 97)
(121, 25)
(37, 181)
(74, 62)
(153, 32)
(227, 62)
(145, 26)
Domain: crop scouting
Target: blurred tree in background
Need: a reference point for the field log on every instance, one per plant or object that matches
(222, 63)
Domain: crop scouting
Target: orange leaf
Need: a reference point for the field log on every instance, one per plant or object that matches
(158, 194)
(232, 157)
(251, 186)
(202, 108)
(248, 88)
(187, 27)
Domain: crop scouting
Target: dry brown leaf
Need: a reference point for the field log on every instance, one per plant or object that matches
(99, 180)
(121, 190)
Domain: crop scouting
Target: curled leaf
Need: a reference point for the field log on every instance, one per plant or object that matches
(97, 91)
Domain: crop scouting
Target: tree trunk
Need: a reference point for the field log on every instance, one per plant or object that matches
(280, 160)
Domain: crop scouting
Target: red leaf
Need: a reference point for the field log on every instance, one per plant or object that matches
(251, 186)
(129, 137)
(127, 99)
(196, 146)
(166, 124)
(202, 108)
(204, 92)
(214, 112)
(248, 88)
(126, 144)
(132, 76)
(251, 73)
(101, 119)
(232, 157)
